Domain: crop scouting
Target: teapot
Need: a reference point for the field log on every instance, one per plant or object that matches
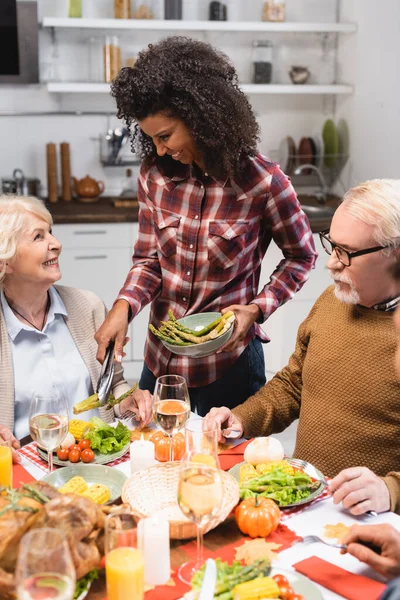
(88, 189)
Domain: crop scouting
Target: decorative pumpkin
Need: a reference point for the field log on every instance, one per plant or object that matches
(161, 445)
(257, 517)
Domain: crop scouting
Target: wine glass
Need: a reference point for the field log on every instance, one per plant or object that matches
(44, 567)
(48, 421)
(171, 406)
(124, 561)
(201, 442)
(200, 493)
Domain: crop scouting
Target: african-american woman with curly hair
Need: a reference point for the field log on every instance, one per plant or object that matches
(209, 205)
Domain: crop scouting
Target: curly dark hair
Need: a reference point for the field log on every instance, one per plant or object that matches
(192, 81)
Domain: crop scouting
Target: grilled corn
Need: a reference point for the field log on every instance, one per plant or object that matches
(256, 589)
(282, 465)
(76, 485)
(78, 428)
(98, 492)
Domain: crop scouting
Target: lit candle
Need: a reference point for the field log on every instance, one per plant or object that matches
(153, 537)
(142, 454)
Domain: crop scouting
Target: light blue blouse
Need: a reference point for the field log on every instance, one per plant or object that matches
(43, 360)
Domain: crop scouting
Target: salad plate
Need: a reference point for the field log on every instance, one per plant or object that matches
(99, 459)
(235, 472)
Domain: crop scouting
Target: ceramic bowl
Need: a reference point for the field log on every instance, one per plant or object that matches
(197, 322)
(299, 75)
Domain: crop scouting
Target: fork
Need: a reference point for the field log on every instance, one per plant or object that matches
(311, 539)
(303, 464)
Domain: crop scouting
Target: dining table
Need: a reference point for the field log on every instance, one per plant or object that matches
(308, 519)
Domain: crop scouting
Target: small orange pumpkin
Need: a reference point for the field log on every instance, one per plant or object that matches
(161, 444)
(257, 517)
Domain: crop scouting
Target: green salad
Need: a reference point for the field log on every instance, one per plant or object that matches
(282, 487)
(107, 439)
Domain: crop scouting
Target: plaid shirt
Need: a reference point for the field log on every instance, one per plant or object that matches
(200, 246)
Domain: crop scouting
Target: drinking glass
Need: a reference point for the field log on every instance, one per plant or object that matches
(124, 561)
(5, 465)
(171, 406)
(44, 567)
(48, 421)
(201, 442)
(200, 493)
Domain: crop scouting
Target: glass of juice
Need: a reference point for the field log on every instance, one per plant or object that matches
(124, 560)
(201, 442)
(44, 566)
(5, 465)
(48, 421)
(171, 406)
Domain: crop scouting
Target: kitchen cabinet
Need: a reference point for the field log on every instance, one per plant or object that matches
(283, 324)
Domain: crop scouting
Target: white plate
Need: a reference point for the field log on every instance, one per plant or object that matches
(99, 459)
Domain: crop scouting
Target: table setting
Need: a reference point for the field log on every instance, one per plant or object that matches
(208, 520)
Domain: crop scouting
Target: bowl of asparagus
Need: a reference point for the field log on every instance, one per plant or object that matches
(195, 335)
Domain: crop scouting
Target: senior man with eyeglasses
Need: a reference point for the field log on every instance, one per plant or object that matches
(340, 381)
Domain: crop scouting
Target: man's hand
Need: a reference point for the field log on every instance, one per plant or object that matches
(245, 316)
(224, 418)
(6, 437)
(383, 536)
(141, 403)
(115, 327)
(359, 490)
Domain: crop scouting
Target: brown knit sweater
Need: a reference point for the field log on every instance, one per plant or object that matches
(341, 384)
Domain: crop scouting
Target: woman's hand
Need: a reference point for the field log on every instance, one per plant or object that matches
(115, 327)
(245, 316)
(141, 403)
(385, 537)
(7, 437)
(359, 490)
(224, 418)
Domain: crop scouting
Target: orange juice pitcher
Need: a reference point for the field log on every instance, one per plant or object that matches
(5, 466)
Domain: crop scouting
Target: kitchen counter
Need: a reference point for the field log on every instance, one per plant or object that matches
(104, 211)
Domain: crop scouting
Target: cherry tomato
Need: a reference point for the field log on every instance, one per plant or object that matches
(286, 592)
(87, 455)
(83, 444)
(297, 597)
(280, 580)
(74, 447)
(74, 456)
(62, 453)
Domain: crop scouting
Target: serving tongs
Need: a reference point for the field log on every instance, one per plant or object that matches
(106, 375)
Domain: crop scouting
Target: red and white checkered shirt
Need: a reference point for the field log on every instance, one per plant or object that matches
(200, 246)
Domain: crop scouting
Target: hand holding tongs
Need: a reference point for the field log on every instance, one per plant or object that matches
(106, 375)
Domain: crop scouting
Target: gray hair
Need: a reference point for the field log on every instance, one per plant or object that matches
(14, 211)
(377, 202)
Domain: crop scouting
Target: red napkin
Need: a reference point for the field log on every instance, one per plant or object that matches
(20, 476)
(231, 457)
(336, 579)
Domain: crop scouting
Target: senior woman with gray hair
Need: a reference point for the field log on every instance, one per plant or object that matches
(46, 331)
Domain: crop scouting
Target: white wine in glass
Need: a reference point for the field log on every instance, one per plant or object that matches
(44, 568)
(48, 421)
(171, 405)
(200, 494)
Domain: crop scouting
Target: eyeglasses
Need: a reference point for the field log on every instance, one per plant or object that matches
(344, 256)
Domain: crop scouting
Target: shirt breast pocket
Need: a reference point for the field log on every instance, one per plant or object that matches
(166, 227)
(227, 241)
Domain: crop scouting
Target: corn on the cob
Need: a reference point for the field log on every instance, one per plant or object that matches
(76, 485)
(98, 492)
(78, 428)
(262, 587)
(282, 465)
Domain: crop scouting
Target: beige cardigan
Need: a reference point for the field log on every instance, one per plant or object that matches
(86, 312)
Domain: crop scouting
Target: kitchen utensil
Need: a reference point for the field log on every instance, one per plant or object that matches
(217, 11)
(331, 143)
(21, 185)
(106, 375)
(154, 490)
(172, 9)
(52, 178)
(66, 193)
(88, 189)
(210, 578)
(231, 434)
(312, 539)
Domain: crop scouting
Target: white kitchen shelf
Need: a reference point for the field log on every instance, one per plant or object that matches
(174, 25)
(248, 88)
